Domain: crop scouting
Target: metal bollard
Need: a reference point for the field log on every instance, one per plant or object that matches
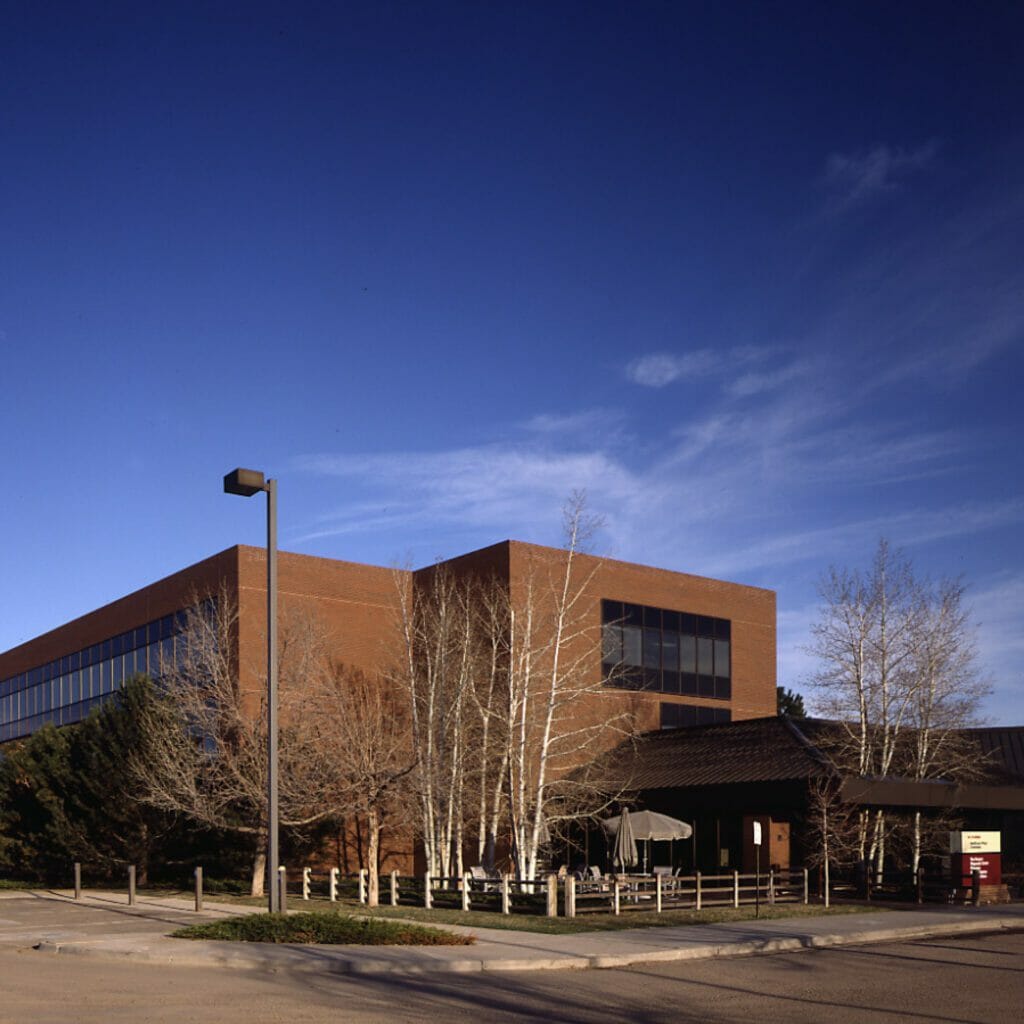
(305, 882)
(282, 882)
(199, 887)
(78, 881)
(657, 892)
(334, 885)
(131, 885)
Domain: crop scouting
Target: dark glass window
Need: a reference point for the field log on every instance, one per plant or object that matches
(705, 663)
(611, 611)
(682, 716)
(652, 648)
(678, 652)
(631, 645)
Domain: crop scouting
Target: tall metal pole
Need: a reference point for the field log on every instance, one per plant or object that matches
(273, 857)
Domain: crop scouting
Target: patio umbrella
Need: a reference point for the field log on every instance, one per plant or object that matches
(648, 825)
(624, 850)
(651, 825)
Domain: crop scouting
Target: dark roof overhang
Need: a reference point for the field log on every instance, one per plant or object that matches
(914, 793)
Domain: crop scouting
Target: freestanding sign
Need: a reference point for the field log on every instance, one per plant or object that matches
(976, 851)
(757, 869)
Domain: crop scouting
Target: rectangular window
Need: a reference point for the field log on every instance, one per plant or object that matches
(652, 648)
(611, 641)
(722, 669)
(679, 652)
(670, 651)
(705, 664)
(632, 646)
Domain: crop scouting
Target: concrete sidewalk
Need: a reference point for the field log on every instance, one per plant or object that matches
(102, 925)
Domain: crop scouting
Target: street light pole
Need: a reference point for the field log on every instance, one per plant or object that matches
(248, 482)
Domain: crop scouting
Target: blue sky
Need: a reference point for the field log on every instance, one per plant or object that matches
(751, 275)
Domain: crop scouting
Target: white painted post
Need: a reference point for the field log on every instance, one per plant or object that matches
(771, 886)
(696, 889)
(552, 909)
(428, 901)
(467, 880)
(807, 886)
(615, 896)
(570, 896)
(306, 872)
(334, 885)
(506, 902)
(735, 888)
(657, 891)
(394, 888)
(198, 873)
(362, 885)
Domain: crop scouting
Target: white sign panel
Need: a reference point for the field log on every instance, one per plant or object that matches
(757, 833)
(974, 842)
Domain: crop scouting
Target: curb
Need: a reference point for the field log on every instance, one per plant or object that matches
(327, 960)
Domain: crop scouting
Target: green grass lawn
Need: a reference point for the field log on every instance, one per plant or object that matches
(599, 922)
(330, 927)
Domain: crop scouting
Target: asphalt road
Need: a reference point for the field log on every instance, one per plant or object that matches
(976, 979)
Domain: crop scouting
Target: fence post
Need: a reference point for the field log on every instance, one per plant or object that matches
(506, 901)
(552, 909)
(807, 887)
(466, 882)
(131, 885)
(427, 900)
(615, 896)
(394, 888)
(696, 890)
(282, 882)
(735, 888)
(362, 885)
(305, 882)
(976, 888)
(657, 892)
(199, 887)
(570, 896)
(771, 886)
(334, 885)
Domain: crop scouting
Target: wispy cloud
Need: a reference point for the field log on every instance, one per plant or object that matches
(855, 178)
(661, 368)
(658, 369)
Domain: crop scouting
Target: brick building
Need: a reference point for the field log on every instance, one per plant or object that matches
(685, 649)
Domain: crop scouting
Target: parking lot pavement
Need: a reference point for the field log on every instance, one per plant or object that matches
(102, 924)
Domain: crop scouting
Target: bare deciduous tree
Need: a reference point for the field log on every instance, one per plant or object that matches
(898, 673)
(205, 753)
(364, 743)
(506, 705)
